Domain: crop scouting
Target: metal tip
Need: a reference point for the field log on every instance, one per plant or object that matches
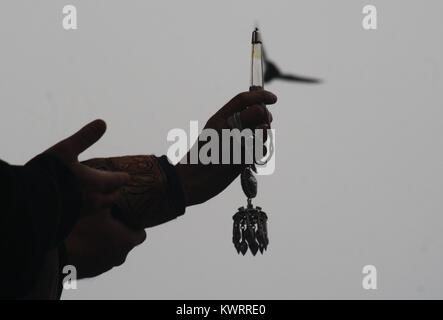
(256, 37)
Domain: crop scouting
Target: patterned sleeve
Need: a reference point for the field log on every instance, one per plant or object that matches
(154, 194)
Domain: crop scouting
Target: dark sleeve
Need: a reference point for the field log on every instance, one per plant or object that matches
(174, 185)
(39, 206)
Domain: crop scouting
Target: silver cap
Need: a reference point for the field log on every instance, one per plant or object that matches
(256, 37)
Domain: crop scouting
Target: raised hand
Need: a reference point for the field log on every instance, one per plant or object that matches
(201, 182)
(98, 188)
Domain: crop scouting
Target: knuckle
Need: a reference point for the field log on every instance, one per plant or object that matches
(241, 98)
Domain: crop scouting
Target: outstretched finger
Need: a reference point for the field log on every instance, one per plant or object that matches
(71, 147)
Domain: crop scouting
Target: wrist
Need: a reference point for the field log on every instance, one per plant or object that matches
(182, 171)
(174, 183)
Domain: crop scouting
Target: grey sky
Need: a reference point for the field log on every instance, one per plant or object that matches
(358, 175)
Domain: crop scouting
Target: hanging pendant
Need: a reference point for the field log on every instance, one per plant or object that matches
(250, 223)
(250, 230)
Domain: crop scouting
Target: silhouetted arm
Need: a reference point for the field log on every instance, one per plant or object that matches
(39, 206)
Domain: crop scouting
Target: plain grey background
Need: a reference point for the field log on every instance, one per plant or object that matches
(358, 175)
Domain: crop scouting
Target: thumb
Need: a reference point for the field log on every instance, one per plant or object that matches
(71, 147)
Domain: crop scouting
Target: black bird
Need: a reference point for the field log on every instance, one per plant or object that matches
(273, 72)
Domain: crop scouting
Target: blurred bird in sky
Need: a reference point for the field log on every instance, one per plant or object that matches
(272, 72)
